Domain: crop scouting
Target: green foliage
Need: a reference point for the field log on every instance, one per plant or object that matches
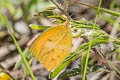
(118, 54)
(38, 27)
(37, 5)
(51, 14)
(68, 73)
(111, 20)
(51, 8)
(83, 24)
(45, 13)
(77, 71)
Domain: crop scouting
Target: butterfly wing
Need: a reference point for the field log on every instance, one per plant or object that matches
(52, 46)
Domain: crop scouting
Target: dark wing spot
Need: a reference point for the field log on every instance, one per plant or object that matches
(52, 50)
(58, 56)
(46, 53)
(52, 59)
(63, 49)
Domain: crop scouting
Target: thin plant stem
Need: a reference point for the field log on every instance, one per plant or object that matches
(101, 9)
(90, 45)
(4, 19)
(20, 61)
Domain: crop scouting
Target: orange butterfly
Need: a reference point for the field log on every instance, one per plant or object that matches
(52, 46)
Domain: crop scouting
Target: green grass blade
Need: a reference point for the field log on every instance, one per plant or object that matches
(90, 44)
(101, 9)
(4, 19)
(38, 27)
(20, 61)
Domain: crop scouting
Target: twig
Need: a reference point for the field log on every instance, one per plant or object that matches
(60, 8)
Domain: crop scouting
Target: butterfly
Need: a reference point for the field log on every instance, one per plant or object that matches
(52, 46)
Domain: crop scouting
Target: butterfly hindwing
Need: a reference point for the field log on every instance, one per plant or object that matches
(52, 46)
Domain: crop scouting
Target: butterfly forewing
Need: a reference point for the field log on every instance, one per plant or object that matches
(59, 53)
(51, 43)
(37, 45)
(52, 46)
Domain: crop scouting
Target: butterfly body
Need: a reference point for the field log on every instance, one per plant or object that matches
(52, 46)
